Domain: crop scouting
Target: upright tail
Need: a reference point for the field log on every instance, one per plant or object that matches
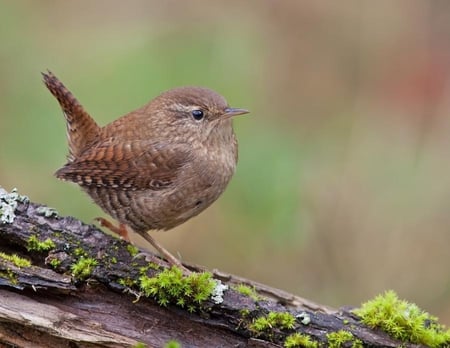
(82, 130)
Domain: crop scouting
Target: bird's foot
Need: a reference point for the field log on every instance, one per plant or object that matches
(172, 260)
(121, 230)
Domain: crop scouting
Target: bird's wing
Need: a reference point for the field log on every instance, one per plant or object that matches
(128, 166)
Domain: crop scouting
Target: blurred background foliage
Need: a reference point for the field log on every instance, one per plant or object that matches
(343, 185)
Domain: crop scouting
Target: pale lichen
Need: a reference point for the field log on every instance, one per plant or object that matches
(8, 204)
(217, 294)
(304, 318)
(46, 211)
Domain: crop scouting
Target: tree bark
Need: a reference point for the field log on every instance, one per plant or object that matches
(46, 305)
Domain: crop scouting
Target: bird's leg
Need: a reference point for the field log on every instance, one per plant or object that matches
(121, 230)
(165, 253)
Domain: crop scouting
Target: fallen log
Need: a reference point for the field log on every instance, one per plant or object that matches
(64, 283)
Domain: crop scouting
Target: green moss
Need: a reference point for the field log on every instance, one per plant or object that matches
(8, 274)
(298, 340)
(83, 267)
(127, 282)
(151, 265)
(140, 345)
(34, 244)
(55, 263)
(113, 260)
(244, 312)
(281, 320)
(132, 250)
(172, 344)
(15, 259)
(154, 266)
(79, 252)
(247, 291)
(339, 338)
(171, 287)
(404, 321)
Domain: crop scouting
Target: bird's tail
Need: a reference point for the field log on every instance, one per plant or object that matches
(82, 130)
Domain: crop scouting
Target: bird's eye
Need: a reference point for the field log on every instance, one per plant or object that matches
(197, 114)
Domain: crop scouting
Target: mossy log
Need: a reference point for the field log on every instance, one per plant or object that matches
(53, 304)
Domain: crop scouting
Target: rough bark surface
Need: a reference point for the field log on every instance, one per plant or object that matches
(46, 306)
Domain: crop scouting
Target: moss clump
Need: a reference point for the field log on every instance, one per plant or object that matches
(127, 282)
(132, 250)
(154, 266)
(34, 244)
(280, 320)
(247, 291)
(339, 338)
(244, 312)
(83, 267)
(172, 344)
(15, 259)
(298, 340)
(140, 345)
(171, 287)
(403, 320)
(8, 274)
(55, 263)
(151, 265)
(79, 252)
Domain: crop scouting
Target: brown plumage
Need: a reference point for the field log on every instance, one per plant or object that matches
(157, 166)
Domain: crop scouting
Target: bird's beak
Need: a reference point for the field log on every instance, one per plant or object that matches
(230, 112)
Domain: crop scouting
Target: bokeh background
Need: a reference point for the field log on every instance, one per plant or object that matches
(343, 185)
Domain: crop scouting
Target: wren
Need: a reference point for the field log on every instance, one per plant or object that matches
(155, 167)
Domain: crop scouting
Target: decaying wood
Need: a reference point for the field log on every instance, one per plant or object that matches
(44, 306)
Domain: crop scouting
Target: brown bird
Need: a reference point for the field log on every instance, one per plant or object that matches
(155, 167)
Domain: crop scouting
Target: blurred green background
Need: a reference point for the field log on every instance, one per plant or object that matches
(343, 184)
